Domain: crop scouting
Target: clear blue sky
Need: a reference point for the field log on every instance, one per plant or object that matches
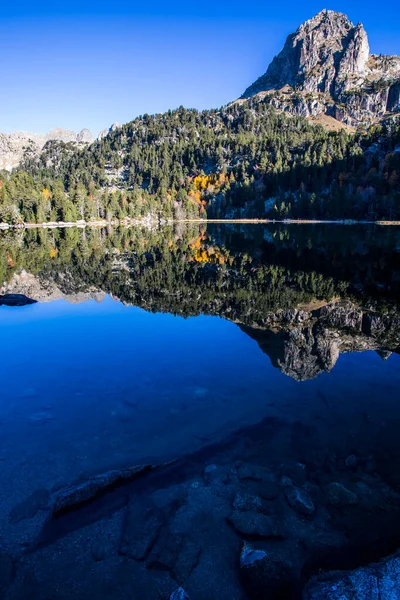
(89, 63)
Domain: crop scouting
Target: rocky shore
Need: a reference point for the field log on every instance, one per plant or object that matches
(212, 525)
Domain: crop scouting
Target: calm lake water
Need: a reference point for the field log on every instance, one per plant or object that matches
(276, 345)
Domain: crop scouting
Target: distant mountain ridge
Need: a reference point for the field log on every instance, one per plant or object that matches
(325, 67)
(17, 145)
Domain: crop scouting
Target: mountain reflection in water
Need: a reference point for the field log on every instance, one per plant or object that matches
(304, 293)
(98, 374)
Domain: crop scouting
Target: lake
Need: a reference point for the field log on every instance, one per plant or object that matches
(255, 368)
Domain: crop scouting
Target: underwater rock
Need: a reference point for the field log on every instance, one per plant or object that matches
(28, 508)
(255, 472)
(171, 498)
(179, 594)
(338, 495)
(380, 581)
(253, 523)
(75, 496)
(141, 527)
(246, 502)
(351, 461)
(6, 571)
(299, 499)
(175, 553)
(265, 575)
(211, 473)
(40, 418)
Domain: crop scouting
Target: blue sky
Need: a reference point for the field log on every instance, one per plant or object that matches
(88, 64)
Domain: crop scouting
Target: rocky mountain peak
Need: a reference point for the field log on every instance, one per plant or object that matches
(329, 55)
(323, 48)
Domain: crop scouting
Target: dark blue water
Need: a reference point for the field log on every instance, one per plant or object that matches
(95, 385)
(88, 386)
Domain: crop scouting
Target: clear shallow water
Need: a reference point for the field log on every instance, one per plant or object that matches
(96, 385)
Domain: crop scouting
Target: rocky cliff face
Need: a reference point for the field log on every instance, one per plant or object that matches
(326, 67)
(16, 145)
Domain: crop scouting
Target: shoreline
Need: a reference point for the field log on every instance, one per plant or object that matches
(146, 221)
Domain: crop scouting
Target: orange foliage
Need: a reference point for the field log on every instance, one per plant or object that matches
(10, 261)
(53, 252)
(46, 194)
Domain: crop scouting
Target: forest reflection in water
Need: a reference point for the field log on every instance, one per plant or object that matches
(299, 378)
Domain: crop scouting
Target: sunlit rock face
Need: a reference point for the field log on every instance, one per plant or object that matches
(328, 68)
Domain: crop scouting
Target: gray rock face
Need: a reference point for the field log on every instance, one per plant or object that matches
(105, 132)
(85, 137)
(377, 582)
(329, 69)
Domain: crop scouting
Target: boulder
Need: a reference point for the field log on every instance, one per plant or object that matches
(88, 490)
(379, 581)
(338, 495)
(265, 575)
(179, 594)
(299, 499)
(254, 524)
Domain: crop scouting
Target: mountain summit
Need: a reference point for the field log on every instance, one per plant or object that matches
(326, 67)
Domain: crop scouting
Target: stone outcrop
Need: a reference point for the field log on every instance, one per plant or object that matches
(105, 132)
(326, 67)
(16, 146)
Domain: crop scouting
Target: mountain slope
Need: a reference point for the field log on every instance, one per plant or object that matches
(326, 67)
(247, 159)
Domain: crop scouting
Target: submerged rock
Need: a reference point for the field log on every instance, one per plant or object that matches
(379, 581)
(28, 508)
(141, 527)
(247, 471)
(351, 461)
(299, 499)
(338, 495)
(265, 575)
(179, 594)
(75, 496)
(175, 553)
(246, 502)
(253, 523)
(40, 418)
